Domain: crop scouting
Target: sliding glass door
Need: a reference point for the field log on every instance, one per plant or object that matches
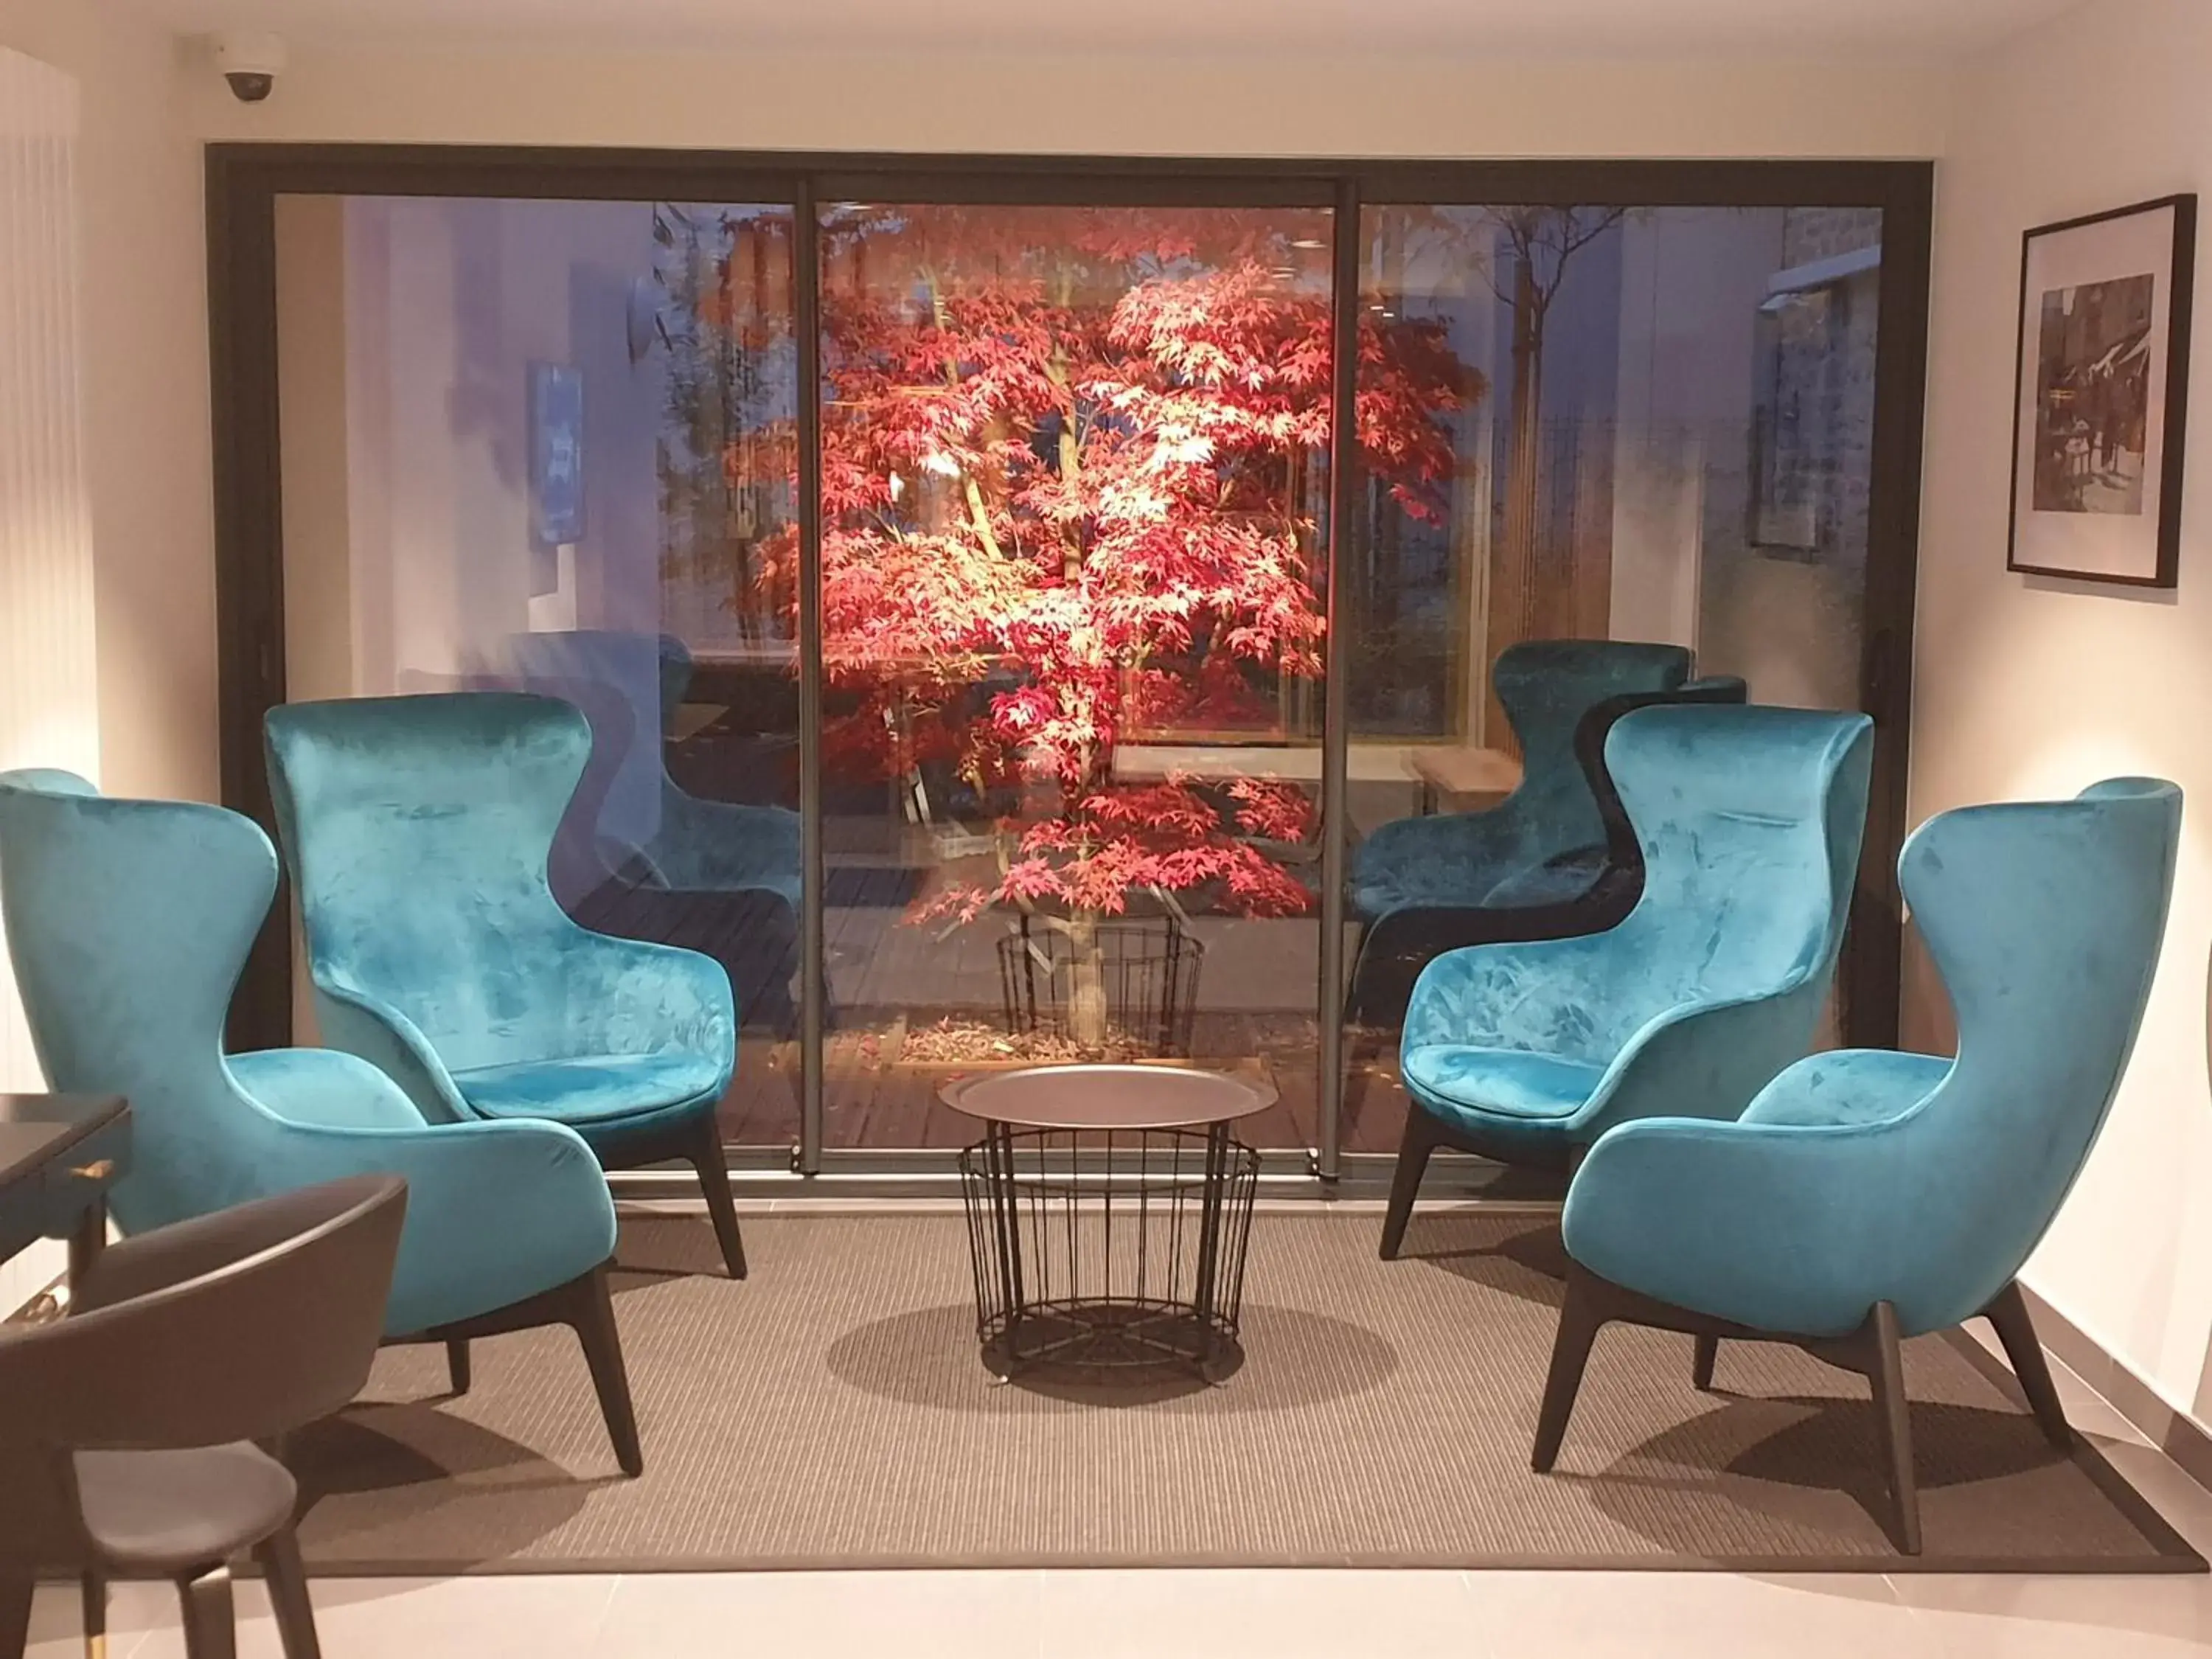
(1665, 433)
(993, 651)
(1073, 598)
(547, 445)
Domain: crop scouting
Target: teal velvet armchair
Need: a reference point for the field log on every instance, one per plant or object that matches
(1866, 1196)
(417, 831)
(128, 923)
(1578, 888)
(1749, 820)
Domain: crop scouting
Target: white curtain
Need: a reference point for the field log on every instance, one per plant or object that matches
(48, 682)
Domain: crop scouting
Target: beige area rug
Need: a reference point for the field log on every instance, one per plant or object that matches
(832, 1412)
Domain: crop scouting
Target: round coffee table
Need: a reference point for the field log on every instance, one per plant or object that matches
(1109, 1210)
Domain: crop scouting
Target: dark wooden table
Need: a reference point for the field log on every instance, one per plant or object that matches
(59, 1156)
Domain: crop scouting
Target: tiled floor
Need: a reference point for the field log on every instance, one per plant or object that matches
(1231, 1614)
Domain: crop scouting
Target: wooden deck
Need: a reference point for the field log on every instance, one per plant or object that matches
(888, 974)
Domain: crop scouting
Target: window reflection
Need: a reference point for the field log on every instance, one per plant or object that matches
(1668, 441)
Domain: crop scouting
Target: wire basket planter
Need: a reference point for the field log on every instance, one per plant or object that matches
(1115, 1250)
(1150, 970)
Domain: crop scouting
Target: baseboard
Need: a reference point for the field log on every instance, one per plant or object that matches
(2173, 1432)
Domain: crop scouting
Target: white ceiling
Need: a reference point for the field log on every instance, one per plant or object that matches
(1918, 28)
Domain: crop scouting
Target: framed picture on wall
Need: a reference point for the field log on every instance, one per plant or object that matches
(2102, 396)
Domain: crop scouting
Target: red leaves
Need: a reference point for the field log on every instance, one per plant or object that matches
(1078, 456)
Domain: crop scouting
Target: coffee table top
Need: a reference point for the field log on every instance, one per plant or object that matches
(1108, 1096)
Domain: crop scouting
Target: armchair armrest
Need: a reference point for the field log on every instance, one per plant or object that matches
(626, 996)
(1397, 946)
(1704, 1060)
(496, 1210)
(359, 1023)
(1547, 996)
(1788, 1227)
(713, 846)
(1488, 844)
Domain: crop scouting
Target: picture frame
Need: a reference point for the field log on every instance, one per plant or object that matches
(557, 454)
(2100, 399)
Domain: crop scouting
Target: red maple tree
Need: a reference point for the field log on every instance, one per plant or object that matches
(1073, 470)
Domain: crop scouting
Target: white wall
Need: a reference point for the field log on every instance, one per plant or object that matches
(49, 696)
(2027, 687)
(1412, 102)
(144, 320)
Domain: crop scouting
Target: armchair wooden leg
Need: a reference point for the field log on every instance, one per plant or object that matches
(1701, 1368)
(1887, 1373)
(1419, 1140)
(2016, 1330)
(92, 1597)
(1581, 1318)
(15, 1593)
(714, 1182)
(210, 1626)
(458, 1369)
(287, 1579)
(591, 1314)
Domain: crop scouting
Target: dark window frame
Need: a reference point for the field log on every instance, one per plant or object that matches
(243, 182)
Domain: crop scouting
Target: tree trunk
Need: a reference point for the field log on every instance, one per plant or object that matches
(1086, 983)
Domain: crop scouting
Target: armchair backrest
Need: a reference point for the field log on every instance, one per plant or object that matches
(1624, 853)
(129, 922)
(417, 831)
(616, 679)
(1749, 821)
(2044, 918)
(1545, 688)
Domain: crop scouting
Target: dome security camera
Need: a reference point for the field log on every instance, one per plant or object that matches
(249, 62)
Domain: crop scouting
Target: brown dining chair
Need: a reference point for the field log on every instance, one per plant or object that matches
(132, 1432)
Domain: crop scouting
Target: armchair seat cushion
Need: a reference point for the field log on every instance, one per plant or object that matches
(587, 1090)
(1507, 1082)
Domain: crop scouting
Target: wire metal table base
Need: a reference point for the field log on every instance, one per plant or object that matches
(1109, 1250)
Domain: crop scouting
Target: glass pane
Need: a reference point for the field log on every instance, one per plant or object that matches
(1075, 466)
(546, 444)
(1662, 433)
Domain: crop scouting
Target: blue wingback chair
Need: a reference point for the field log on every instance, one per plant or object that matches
(1545, 686)
(417, 831)
(1580, 888)
(1749, 820)
(129, 922)
(1867, 1196)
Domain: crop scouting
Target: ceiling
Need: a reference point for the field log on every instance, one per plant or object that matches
(1918, 28)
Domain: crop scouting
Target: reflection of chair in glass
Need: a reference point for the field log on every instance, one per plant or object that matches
(669, 837)
(1545, 686)
(127, 1430)
(1867, 1196)
(417, 830)
(638, 856)
(128, 923)
(1749, 821)
(716, 846)
(1546, 837)
(1579, 890)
